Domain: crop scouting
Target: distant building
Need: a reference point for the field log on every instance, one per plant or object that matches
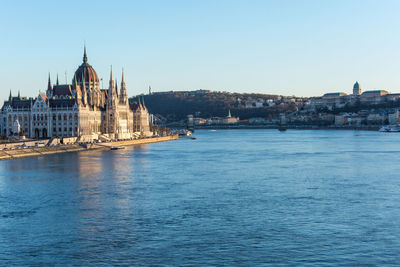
(334, 99)
(229, 119)
(373, 97)
(340, 99)
(356, 89)
(340, 120)
(393, 118)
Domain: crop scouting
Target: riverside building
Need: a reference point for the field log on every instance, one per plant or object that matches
(340, 99)
(79, 109)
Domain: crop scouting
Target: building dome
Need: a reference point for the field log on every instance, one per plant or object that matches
(86, 72)
(356, 86)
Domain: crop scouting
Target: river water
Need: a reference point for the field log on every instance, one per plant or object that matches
(231, 197)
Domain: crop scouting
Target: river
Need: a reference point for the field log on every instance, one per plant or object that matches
(231, 197)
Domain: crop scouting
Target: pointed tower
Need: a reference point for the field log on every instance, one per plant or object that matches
(149, 90)
(85, 60)
(10, 96)
(57, 82)
(112, 96)
(112, 106)
(229, 114)
(49, 92)
(49, 86)
(123, 96)
(19, 95)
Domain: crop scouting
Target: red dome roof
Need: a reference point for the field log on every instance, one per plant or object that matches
(85, 71)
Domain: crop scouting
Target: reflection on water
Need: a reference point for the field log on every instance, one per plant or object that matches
(237, 197)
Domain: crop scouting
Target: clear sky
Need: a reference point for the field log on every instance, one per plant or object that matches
(302, 48)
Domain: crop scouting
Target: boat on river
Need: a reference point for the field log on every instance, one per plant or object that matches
(282, 128)
(117, 147)
(390, 128)
(182, 132)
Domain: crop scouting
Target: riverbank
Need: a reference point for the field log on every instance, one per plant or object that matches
(48, 150)
(295, 127)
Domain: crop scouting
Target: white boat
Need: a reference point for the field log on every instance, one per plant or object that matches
(390, 128)
(184, 132)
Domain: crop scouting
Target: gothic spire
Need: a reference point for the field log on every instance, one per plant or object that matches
(111, 87)
(49, 87)
(19, 95)
(84, 54)
(57, 82)
(123, 94)
(10, 97)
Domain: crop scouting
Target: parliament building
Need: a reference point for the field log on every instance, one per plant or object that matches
(80, 109)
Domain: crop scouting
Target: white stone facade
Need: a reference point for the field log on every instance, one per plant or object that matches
(79, 109)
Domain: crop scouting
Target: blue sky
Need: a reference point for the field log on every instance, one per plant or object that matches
(302, 48)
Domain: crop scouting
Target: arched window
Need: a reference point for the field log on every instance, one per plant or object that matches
(70, 117)
(45, 117)
(41, 117)
(76, 117)
(59, 117)
(54, 117)
(65, 117)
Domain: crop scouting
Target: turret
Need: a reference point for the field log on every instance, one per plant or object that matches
(123, 94)
(85, 60)
(356, 89)
(49, 92)
(49, 87)
(10, 97)
(112, 96)
(57, 82)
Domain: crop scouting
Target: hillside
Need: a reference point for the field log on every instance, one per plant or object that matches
(175, 106)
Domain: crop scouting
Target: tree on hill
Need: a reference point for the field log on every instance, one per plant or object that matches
(175, 106)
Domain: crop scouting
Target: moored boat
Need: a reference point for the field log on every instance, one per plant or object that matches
(390, 128)
(281, 128)
(117, 147)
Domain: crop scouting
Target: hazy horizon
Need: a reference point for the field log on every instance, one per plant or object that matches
(302, 48)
